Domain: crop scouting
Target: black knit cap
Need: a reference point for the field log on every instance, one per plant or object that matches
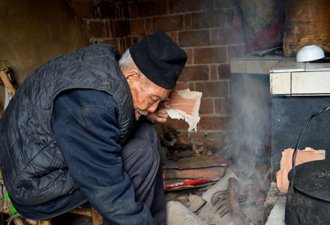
(159, 58)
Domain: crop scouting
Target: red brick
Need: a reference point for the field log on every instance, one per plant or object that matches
(122, 10)
(85, 24)
(224, 72)
(168, 23)
(210, 55)
(137, 27)
(217, 106)
(141, 37)
(82, 9)
(224, 4)
(191, 86)
(208, 19)
(171, 7)
(231, 35)
(230, 16)
(126, 10)
(213, 72)
(197, 135)
(121, 45)
(194, 73)
(189, 56)
(98, 29)
(107, 10)
(214, 37)
(222, 106)
(226, 106)
(181, 86)
(194, 38)
(148, 25)
(206, 106)
(236, 51)
(215, 135)
(152, 8)
(184, 140)
(237, 17)
(128, 42)
(213, 89)
(174, 37)
(178, 124)
(209, 4)
(119, 28)
(187, 21)
(135, 40)
(214, 123)
(179, 6)
(133, 10)
(112, 42)
(214, 142)
(200, 173)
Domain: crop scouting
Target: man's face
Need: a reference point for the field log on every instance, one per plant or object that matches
(146, 95)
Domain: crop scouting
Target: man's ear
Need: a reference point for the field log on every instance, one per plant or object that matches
(132, 75)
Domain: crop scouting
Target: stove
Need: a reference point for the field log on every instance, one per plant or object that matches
(297, 90)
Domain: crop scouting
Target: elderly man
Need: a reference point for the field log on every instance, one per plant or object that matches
(68, 137)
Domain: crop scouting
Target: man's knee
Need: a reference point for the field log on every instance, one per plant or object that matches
(145, 131)
(148, 153)
(141, 153)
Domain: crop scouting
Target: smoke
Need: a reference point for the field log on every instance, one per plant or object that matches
(251, 120)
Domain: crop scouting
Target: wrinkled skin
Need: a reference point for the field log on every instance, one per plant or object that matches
(146, 95)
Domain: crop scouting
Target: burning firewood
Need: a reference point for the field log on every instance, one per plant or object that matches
(237, 215)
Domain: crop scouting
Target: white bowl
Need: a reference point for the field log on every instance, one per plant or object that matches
(310, 53)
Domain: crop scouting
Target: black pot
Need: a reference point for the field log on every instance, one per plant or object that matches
(312, 192)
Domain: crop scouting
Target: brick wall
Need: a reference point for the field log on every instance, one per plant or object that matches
(210, 31)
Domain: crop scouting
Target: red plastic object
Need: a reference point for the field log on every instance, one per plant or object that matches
(189, 182)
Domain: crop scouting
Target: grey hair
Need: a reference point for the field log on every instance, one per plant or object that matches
(125, 60)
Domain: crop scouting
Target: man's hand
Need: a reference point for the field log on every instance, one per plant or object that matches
(160, 115)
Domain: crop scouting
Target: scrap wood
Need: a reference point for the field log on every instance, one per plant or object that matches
(196, 202)
(303, 156)
(183, 141)
(205, 151)
(199, 162)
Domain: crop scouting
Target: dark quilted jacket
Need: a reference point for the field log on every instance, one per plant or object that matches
(33, 169)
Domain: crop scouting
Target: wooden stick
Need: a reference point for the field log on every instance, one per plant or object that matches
(8, 84)
(237, 216)
(1, 111)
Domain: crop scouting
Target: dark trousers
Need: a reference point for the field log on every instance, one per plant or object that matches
(142, 161)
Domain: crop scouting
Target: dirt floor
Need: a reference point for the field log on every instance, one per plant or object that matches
(251, 204)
